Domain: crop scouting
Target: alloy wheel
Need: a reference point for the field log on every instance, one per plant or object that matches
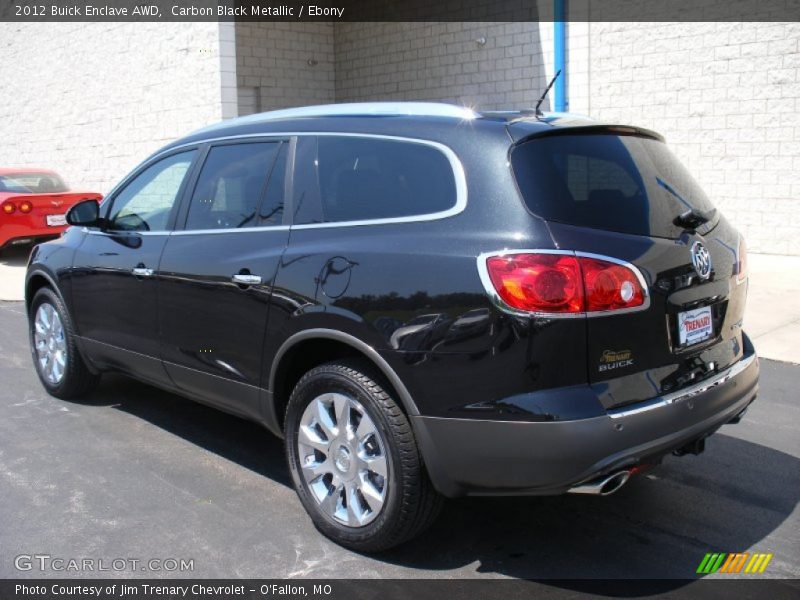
(343, 459)
(50, 343)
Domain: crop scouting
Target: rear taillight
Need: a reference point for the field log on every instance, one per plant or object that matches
(610, 286)
(741, 262)
(537, 282)
(25, 207)
(564, 283)
(9, 208)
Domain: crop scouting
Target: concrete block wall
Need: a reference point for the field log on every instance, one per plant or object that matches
(284, 64)
(440, 61)
(91, 100)
(725, 95)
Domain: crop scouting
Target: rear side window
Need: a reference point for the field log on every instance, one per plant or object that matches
(618, 183)
(230, 187)
(356, 179)
(32, 183)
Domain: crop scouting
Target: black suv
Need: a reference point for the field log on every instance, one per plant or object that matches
(424, 301)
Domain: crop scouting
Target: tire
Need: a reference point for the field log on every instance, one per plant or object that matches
(355, 516)
(66, 377)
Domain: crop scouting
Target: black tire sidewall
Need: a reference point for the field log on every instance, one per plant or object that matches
(64, 387)
(325, 380)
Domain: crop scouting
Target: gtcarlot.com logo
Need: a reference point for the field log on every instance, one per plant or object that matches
(734, 562)
(46, 562)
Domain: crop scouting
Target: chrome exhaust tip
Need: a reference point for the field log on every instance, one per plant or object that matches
(602, 486)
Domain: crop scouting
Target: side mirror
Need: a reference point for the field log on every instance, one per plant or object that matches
(85, 213)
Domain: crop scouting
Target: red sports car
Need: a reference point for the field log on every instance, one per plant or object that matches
(33, 205)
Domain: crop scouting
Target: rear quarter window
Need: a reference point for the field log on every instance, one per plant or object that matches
(348, 178)
(32, 183)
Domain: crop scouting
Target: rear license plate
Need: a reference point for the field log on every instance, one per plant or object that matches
(56, 220)
(695, 326)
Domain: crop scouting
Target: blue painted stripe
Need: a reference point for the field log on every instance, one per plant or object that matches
(560, 54)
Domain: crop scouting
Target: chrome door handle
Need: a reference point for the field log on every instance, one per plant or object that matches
(246, 279)
(142, 272)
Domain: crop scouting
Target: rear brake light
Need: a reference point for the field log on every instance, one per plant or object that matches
(741, 262)
(9, 208)
(25, 207)
(564, 283)
(537, 282)
(610, 286)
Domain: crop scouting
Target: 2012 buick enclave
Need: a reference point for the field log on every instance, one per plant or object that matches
(424, 301)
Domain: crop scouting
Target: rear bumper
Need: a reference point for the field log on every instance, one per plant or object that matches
(481, 457)
(21, 231)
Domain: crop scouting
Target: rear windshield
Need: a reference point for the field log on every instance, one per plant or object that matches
(32, 183)
(628, 184)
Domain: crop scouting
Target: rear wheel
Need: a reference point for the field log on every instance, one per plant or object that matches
(354, 460)
(53, 346)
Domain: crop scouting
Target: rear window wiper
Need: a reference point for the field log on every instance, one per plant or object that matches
(694, 218)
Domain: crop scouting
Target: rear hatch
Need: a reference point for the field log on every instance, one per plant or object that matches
(620, 192)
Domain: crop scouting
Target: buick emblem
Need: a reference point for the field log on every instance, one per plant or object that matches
(701, 260)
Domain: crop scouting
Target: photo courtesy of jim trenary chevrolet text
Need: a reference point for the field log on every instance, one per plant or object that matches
(399, 299)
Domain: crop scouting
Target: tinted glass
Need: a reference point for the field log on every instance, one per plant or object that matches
(370, 178)
(146, 202)
(231, 185)
(619, 183)
(271, 212)
(305, 184)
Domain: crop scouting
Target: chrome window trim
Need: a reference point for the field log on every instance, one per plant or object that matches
(680, 395)
(455, 163)
(231, 230)
(483, 272)
(118, 232)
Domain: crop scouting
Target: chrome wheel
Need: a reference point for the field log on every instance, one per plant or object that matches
(50, 342)
(343, 459)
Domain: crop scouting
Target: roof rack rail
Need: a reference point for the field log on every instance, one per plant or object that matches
(423, 109)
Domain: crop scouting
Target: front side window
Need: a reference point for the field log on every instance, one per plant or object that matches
(146, 202)
(231, 186)
(357, 179)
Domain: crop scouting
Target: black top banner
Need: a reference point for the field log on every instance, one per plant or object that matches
(398, 10)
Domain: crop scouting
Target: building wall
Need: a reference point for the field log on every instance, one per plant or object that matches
(283, 64)
(725, 95)
(439, 61)
(91, 100)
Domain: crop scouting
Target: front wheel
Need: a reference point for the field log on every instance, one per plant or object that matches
(354, 460)
(54, 349)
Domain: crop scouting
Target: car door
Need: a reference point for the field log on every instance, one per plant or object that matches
(114, 289)
(216, 274)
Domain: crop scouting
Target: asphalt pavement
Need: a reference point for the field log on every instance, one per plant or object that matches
(138, 474)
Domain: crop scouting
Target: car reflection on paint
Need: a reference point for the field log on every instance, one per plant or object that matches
(414, 334)
(472, 323)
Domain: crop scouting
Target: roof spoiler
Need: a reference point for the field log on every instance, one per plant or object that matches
(520, 133)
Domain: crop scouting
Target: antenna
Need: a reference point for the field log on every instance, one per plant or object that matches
(539, 113)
